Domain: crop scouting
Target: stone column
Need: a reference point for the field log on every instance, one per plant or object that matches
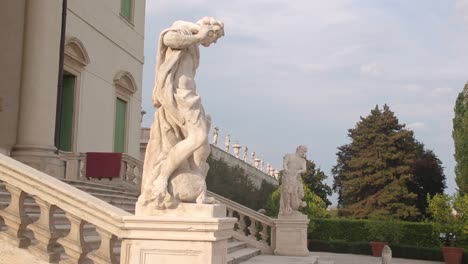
(38, 99)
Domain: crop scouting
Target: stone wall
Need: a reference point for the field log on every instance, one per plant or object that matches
(254, 174)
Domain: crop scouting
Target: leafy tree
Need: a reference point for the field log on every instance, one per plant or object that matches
(441, 209)
(373, 171)
(429, 177)
(460, 138)
(314, 179)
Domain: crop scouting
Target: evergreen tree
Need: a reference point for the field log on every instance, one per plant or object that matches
(314, 179)
(460, 138)
(429, 177)
(373, 172)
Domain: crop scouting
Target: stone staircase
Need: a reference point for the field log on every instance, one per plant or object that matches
(237, 251)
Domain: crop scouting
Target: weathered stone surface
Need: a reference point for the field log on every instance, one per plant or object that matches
(175, 165)
(292, 191)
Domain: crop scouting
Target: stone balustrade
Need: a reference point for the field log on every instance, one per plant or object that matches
(253, 228)
(131, 170)
(43, 231)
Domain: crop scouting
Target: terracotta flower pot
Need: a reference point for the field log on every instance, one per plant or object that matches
(377, 248)
(452, 255)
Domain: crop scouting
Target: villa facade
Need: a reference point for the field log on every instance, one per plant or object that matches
(98, 108)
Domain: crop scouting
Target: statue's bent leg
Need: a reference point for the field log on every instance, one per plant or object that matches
(180, 152)
(199, 157)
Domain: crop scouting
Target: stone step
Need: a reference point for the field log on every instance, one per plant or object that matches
(241, 255)
(77, 184)
(235, 245)
(91, 188)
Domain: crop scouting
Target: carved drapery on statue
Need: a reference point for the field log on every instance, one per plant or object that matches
(175, 165)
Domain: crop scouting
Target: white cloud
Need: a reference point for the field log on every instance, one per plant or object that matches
(372, 69)
(416, 125)
(462, 7)
(441, 91)
(414, 88)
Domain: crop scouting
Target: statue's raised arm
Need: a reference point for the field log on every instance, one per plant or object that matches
(175, 165)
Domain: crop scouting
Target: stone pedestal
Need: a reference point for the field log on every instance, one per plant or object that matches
(291, 235)
(191, 233)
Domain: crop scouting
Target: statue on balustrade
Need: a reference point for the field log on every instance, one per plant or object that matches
(292, 191)
(215, 136)
(175, 166)
(244, 157)
(227, 143)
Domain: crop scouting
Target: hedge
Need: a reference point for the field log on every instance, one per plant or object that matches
(354, 230)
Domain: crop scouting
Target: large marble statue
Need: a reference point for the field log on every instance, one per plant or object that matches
(175, 166)
(215, 135)
(292, 191)
(252, 158)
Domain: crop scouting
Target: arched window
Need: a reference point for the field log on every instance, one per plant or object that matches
(75, 59)
(125, 87)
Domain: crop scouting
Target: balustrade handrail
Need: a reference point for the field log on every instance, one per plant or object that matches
(242, 209)
(62, 195)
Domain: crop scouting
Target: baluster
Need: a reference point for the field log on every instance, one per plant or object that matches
(105, 253)
(241, 224)
(83, 175)
(45, 233)
(131, 174)
(253, 229)
(74, 244)
(264, 233)
(15, 218)
(123, 170)
(230, 212)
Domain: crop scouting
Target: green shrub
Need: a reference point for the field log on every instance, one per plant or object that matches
(384, 231)
(353, 230)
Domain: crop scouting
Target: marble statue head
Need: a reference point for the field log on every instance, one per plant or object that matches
(216, 26)
(301, 151)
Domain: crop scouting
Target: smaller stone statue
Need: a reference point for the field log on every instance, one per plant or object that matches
(276, 174)
(386, 255)
(227, 143)
(292, 191)
(236, 147)
(215, 135)
(244, 158)
(262, 165)
(252, 158)
(257, 163)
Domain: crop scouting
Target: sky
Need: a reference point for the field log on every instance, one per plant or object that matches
(291, 72)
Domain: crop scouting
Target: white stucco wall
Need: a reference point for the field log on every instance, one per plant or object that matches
(113, 45)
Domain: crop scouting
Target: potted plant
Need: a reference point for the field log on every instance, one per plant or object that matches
(450, 215)
(382, 232)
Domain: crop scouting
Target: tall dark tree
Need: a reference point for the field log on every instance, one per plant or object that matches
(373, 171)
(460, 138)
(314, 179)
(429, 177)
